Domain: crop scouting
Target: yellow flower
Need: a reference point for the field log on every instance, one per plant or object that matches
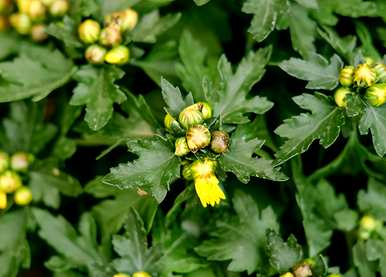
(203, 168)
(208, 190)
(3, 200)
(287, 274)
(364, 76)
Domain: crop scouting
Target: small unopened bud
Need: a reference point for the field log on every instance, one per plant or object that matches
(89, 31)
(110, 36)
(10, 181)
(376, 94)
(4, 23)
(5, 6)
(141, 274)
(21, 22)
(23, 196)
(59, 8)
(197, 137)
(20, 161)
(187, 172)
(364, 76)
(36, 10)
(118, 55)
(368, 223)
(380, 72)
(203, 168)
(346, 76)
(340, 97)
(190, 116)
(126, 20)
(95, 54)
(303, 270)
(206, 110)
(287, 274)
(4, 161)
(181, 147)
(121, 275)
(171, 124)
(3, 200)
(38, 33)
(220, 142)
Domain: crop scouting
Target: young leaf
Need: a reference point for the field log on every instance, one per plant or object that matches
(155, 169)
(323, 123)
(317, 71)
(97, 90)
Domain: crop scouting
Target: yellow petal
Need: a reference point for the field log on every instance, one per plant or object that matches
(208, 190)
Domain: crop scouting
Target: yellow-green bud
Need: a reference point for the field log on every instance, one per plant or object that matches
(47, 3)
(364, 76)
(190, 116)
(380, 72)
(59, 8)
(38, 33)
(340, 97)
(3, 200)
(126, 20)
(95, 54)
(203, 168)
(187, 172)
(23, 5)
(206, 110)
(21, 22)
(20, 161)
(368, 223)
(181, 147)
(110, 36)
(287, 274)
(118, 55)
(36, 10)
(4, 161)
(171, 123)
(89, 31)
(121, 275)
(334, 275)
(303, 270)
(220, 142)
(198, 137)
(376, 94)
(4, 23)
(10, 181)
(346, 76)
(141, 274)
(5, 6)
(23, 196)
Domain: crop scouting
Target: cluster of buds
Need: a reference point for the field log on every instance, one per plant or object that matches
(368, 226)
(194, 138)
(30, 17)
(135, 274)
(368, 77)
(11, 169)
(105, 44)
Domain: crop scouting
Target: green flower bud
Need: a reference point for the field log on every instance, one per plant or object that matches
(59, 8)
(206, 110)
(380, 72)
(89, 31)
(303, 270)
(36, 10)
(38, 33)
(368, 223)
(220, 142)
(126, 20)
(23, 196)
(110, 36)
(20, 161)
(4, 161)
(187, 172)
(340, 97)
(4, 23)
(121, 275)
(190, 117)
(171, 123)
(141, 274)
(346, 76)
(197, 137)
(181, 147)
(5, 6)
(118, 55)
(363, 234)
(10, 181)
(95, 54)
(364, 76)
(376, 94)
(287, 274)
(21, 22)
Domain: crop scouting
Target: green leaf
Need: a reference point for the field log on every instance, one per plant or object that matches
(376, 251)
(10, 44)
(323, 123)
(173, 98)
(36, 72)
(374, 200)
(317, 71)
(230, 102)
(365, 267)
(283, 255)
(201, 2)
(155, 169)
(311, 4)
(242, 239)
(97, 90)
(374, 118)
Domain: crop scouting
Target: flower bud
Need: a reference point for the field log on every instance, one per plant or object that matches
(203, 168)
(118, 55)
(5, 6)
(23, 5)
(220, 142)
(126, 20)
(4, 24)
(303, 270)
(206, 110)
(190, 116)
(59, 8)
(380, 72)
(89, 31)
(368, 223)
(4, 161)
(287, 274)
(141, 274)
(10, 181)
(346, 76)
(110, 36)
(38, 33)
(3, 200)
(36, 10)
(95, 54)
(20, 161)
(23, 196)
(376, 94)
(47, 3)
(208, 190)
(171, 124)
(197, 137)
(340, 97)
(181, 147)
(187, 172)
(334, 275)
(121, 275)
(21, 22)
(364, 76)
